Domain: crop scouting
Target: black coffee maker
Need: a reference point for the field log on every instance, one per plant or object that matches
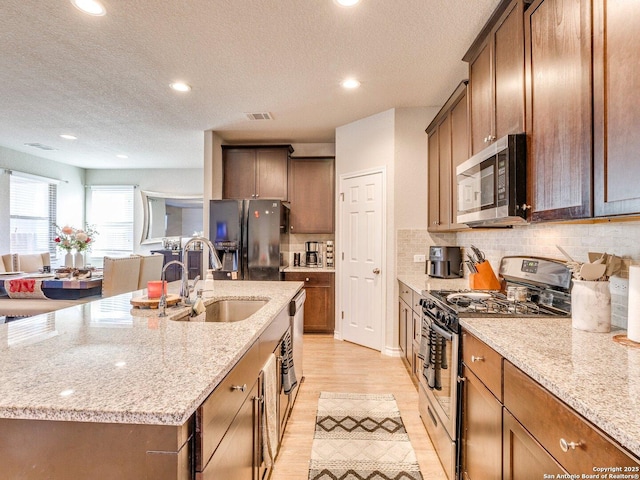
(312, 254)
(444, 262)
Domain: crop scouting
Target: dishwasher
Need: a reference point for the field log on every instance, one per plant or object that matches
(296, 316)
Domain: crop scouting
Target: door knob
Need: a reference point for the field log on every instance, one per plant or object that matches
(376, 271)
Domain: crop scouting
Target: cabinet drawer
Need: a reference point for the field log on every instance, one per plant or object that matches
(549, 421)
(312, 279)
(406, 293)
(416, 302)
(484, 362)
(217, 412)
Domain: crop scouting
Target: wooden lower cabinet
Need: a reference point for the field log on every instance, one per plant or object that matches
(404, 319)
(481, 431)
(523, 456)
(319, 315)
(236, 455)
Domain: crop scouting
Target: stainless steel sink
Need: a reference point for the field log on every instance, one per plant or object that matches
(230, 310)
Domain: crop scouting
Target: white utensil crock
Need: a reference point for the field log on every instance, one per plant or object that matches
(591, 306)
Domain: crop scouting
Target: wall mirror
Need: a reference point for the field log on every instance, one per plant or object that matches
(170, 215)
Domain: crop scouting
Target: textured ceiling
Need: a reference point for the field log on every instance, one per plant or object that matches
(105, 79)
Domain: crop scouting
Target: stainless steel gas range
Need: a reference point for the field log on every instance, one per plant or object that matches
(532, 287)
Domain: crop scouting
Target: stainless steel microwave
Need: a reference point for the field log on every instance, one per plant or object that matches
(492, 185)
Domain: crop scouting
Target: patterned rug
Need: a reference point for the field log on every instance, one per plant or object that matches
(361, 436)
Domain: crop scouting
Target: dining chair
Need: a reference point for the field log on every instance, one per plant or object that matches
(150, 268)
(33, 262)
(120, 275)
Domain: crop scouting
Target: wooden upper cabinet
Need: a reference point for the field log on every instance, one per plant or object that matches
(448, 147)
(255, 171)
(496, 77)
(616, 107)
(559, 120)
(312, 195)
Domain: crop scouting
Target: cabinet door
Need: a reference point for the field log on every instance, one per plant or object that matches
(459, 153)
(558, 62)
(238, 173)
(271, 173)
(481, 99)
(194, 263)
(481, 431)
(235, 457)
(319, 316)
(523, 457)
(616, 107)
(433, 209)
(311, 194)
(509, 72)
(402, 327)
(444, 173)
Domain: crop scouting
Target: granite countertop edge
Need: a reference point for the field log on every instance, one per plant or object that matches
(588, 371)
(21, 398)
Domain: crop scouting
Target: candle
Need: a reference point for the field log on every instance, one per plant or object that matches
(154, 288)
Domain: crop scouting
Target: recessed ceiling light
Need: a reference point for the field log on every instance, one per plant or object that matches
(347, 3)
(122, 156)
(181, 87)
(66, 393)
(68, 137)
(350, 83)
(92, 7)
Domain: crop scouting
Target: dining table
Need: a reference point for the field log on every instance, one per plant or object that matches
(44, 285)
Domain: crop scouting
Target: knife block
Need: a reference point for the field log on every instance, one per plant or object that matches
(485, 279)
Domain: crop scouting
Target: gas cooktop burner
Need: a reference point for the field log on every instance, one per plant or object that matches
(491, 303)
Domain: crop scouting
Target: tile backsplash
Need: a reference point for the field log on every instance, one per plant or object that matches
(619, 238)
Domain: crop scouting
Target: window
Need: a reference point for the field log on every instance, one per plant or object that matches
(32, 205)
(111, 214)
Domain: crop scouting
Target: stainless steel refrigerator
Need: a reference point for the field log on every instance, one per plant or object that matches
(251, 238)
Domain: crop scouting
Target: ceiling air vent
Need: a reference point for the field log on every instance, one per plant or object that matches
(40, 146)
(259, 116)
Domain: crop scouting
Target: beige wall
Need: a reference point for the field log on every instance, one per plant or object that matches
(393, 141)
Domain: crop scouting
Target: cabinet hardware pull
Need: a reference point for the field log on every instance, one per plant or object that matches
(461, 379)
(524, 207)
(306, 279)
(476, 359)
(241, 388)
(376, 271)
(565, 446)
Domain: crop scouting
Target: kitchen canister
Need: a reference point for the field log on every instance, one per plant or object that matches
(591, 306)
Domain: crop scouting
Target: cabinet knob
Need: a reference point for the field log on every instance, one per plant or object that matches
(566, 446)
(306, 279)
(291, 227)
(524, 207)
(476, 359)
(240, 388)
(376, 271)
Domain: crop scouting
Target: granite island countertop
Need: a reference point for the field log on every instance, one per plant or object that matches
(596, 376)
(105, 361)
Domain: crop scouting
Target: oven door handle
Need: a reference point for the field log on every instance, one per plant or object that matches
(440, 331)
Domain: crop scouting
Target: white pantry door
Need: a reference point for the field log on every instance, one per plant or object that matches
(361, 279)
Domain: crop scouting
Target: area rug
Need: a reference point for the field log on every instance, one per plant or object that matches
(361, 436)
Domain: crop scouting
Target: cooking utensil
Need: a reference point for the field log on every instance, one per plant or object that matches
(592, 271)
(566, 255)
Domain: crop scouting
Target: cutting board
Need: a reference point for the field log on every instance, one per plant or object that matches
(145, 302)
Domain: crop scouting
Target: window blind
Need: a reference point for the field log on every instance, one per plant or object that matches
(32, 211)
(111, 214)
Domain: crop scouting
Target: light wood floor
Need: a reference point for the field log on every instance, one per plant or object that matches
(336, 366)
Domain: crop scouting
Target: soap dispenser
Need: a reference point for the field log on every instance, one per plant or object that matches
(208, 284)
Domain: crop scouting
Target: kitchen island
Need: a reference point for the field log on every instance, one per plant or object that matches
(104, 371)
(590, 372)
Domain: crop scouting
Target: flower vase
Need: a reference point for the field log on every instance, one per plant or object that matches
(68, 260)
(79, 260)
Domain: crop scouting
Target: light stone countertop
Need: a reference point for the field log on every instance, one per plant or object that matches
(418, 283)
(309, 269)
(597, 377)
(105, 361)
